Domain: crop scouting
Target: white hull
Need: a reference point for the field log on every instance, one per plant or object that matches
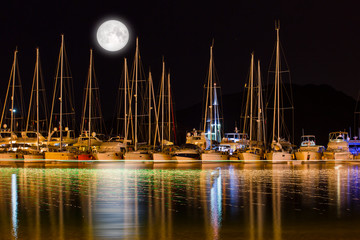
(187, 156)
(337, 155)
(308, 155)
(249, 156)
(278, 156)
(136, 156)
(214, 156)
(108, 156)
(181, 159)
(161, 157)
(59, 156)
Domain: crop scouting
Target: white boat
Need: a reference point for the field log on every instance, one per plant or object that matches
(253, 153)
(6, 138)
(83, 141)
(161, 157)
(13, 104)
(338, 147)
(198, 138)
(92, 120)
(213, 120)
(233, 142)
(164, 124)
(31, 139)
(108, 155)
(212, 155)
(254, 123)
(113, 149)
(137, 155)
(308, 149)
(67, 138)
(139, 114)
(280, 148)
(187, 153)
(59, 140)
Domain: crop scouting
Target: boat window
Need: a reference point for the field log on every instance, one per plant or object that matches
(5, 135)
(57, 134)
(18, 134)
(31, 135)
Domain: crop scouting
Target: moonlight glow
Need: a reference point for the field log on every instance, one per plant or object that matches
(112, 35)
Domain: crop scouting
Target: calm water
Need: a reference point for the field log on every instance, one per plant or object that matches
(243, 201)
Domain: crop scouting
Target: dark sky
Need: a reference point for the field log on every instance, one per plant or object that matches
(321, 40)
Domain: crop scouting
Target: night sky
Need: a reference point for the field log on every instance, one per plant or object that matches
(321, 40)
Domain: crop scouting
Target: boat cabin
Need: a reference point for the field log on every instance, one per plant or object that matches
(307, 140)
(338, 137)
(198, 138)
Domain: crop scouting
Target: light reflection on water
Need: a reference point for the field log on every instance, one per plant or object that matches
(14, 203)
(239, 201)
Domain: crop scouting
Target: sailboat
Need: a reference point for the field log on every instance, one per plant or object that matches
(114, 148)
(166, 147)
(212, 118)
(281, 148)
(141, 111)
(14, 106)
(92, 121)
(254, 124)
(35, 139)
(59, 139)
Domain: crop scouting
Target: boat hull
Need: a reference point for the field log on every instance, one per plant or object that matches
(11, 155)
(59, 156)
(214, 156)
(249, 156)
(186, 159)
(278, 156)
(161, 157)
(337, 155)
(136, 157)
(85, 157)
(32, 158)
(308, 155)
(108, 156)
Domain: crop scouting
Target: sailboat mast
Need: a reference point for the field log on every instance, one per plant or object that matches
(37, 99)
(169, 108)
(211, 105)
(149, 122)
(162, 103)
(259, 104)
(277, 75)
(89, 86)
(12, 95)
(61, 88)
(251, 93)
(136, 92)
(125, 99)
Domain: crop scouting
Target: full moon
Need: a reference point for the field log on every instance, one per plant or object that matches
(112, 35)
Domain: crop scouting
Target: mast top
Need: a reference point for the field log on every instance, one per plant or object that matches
(277, 25)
